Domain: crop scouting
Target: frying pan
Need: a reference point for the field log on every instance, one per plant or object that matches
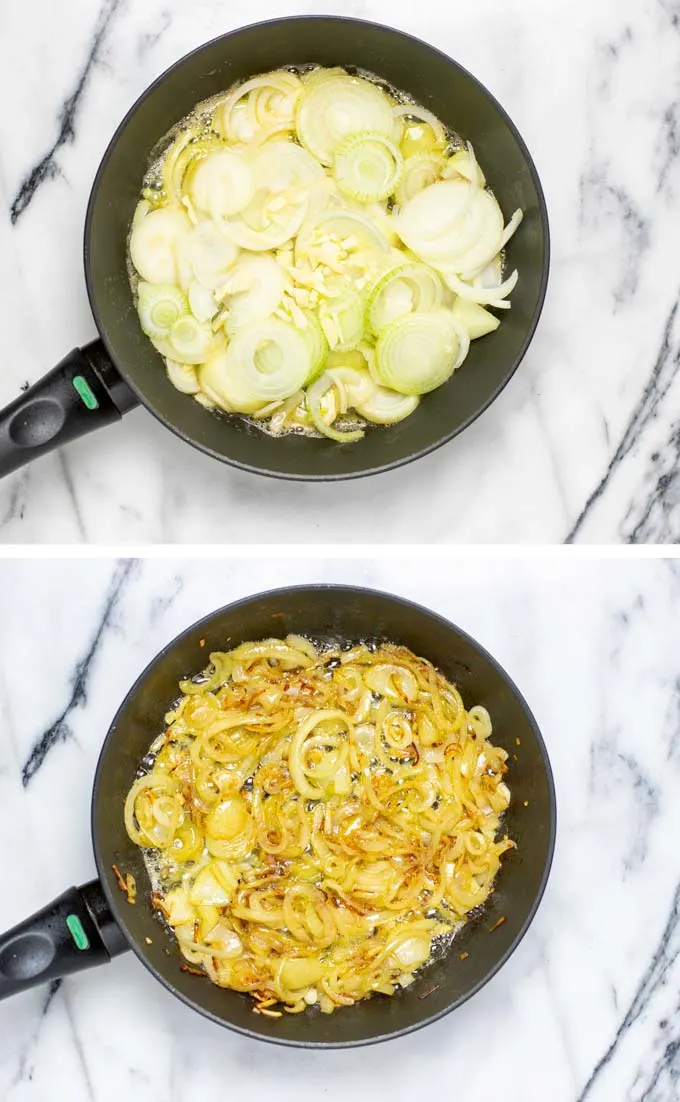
(95, 385)
(91, 924)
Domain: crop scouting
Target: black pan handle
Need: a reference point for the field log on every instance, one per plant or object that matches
(83, 392)
(75, 931)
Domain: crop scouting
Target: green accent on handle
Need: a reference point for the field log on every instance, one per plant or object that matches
(77, 932)
(85, 392)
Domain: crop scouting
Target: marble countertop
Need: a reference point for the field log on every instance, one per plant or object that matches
(582, 445)
(587, 1008)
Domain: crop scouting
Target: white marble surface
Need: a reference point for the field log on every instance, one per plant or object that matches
(587, 1008)
(583, 444)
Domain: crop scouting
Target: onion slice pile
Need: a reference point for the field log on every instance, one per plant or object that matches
(316, 252)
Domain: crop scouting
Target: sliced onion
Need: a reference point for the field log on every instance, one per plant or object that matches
(358, 385)
(182, 376)
(265, 362)
(241, 125)
(153, 242)
(207, 889)
(474, 318)
(223, 182)
(415, 111)
(404, 290)
(491, 296)
(420, 171)
(316, 342)
(169, 352)
(331, 109)
(284, 166)
(315, 395)
(271, 107)
(419, 352)
(488, 273)
(433, 212)
(279, 81)
(385, 407)
(367, 166)
(257, 283)
(464, 163)
(206, 255)
(160, 305)
(452, 225)
(201, 301)
(275, 230)
(512, 227)
(412, 952)
(182, 159)
(190, 340)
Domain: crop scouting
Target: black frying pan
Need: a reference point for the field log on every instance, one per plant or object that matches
(95, 385)
(51, 942)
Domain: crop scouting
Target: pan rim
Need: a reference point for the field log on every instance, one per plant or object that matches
(115, 904)
(389, 465)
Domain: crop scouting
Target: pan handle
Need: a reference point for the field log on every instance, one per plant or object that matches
(75, 931)
(83, 392)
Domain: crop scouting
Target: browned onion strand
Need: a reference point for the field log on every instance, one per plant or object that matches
(314, 820)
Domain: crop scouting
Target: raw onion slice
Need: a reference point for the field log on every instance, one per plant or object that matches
(284, 166)
(316, 342)
(182, 160)
(419, 352)
(253, 291)
(490, 296)
(279, 82)
(315, 395)
(478, 245)
(222, 182)
(331, 109)
(356, 382)
(265, 362)
(318, 74)
(206, 255)
(367, 166)
(261, 226)
(465, 164)
(512, 226)
(183, 377)
(435, 213)
(474, 318)
(164, 347)
(406, 112)
(190, 340)
(386, 407)
(272, 108)
(202, 302)
(153, 241)
(404, 290)
(420, 171)
(160, 305)
(240, 125)
(453, 225)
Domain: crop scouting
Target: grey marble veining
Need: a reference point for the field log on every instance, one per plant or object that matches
(581, 446)
(587, 1009)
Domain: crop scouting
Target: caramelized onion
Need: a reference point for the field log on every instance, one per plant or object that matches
(315, 820)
